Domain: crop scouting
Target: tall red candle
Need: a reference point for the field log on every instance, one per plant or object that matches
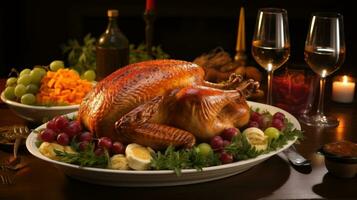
(150, 5)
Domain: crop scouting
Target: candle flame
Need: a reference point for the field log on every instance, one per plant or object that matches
(345, 79)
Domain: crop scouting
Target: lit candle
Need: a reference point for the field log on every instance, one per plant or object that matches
(150, 5)
(343, 90)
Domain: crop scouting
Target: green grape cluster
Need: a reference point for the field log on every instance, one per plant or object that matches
(24, 87)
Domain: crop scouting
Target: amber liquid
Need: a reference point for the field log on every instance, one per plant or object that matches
(109, 60)
(324, 61)
(270, 58)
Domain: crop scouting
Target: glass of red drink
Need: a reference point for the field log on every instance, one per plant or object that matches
(294, 89)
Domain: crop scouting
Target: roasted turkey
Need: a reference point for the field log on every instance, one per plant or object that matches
(164, 102)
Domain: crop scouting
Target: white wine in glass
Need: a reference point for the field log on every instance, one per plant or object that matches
(270, 58)
(271, 44)
(324, 60)
(324, 53)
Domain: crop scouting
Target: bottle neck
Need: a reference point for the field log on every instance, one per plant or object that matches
(112, 25)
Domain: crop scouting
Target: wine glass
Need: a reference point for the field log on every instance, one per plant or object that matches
(271, 44)
(324, 53)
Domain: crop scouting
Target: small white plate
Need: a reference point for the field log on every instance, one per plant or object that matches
(160, 177)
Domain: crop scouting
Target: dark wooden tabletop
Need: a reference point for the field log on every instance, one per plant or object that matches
(273, 179)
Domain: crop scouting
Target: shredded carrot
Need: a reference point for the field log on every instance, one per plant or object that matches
(63, 87)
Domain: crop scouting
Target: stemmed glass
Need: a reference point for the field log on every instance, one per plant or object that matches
(271, 44)
(324, 53)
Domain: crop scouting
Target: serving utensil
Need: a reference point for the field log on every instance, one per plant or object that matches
(14, 135)
(6, 179)
(295, 158)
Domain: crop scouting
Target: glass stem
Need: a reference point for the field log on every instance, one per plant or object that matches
(320, 107)
(270, 87)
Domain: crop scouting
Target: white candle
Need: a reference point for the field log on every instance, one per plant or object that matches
(343, 91)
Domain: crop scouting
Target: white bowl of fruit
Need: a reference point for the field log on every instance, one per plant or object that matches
(41, 93)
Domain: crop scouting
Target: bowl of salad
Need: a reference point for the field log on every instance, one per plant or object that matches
(41, 93)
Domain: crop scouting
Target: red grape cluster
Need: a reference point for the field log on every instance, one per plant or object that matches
(108, 144)
(265, 120)
(220, 141)
(62, 130)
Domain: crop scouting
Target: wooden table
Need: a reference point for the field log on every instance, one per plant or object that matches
(272, 179)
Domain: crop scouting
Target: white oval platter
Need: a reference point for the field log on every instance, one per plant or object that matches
(153, 178)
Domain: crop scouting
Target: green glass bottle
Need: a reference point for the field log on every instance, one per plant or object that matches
(112, 50)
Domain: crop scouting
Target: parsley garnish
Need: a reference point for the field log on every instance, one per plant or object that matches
(84, 158)
(182, 159)
(288, 134)
(241, 149)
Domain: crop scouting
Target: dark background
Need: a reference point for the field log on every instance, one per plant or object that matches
(31, 32)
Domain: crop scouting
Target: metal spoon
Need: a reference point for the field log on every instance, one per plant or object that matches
(295, 158)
